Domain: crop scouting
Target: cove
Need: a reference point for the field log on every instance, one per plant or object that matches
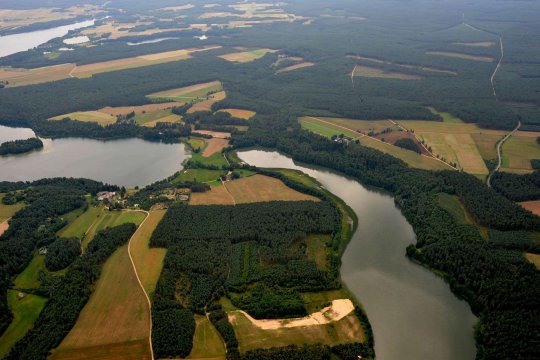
(413, 313)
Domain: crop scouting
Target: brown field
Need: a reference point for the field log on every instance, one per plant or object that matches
(122, 110)
(89, 116)
(461, 56)
(246, 56)
(240, 113)
(216, 134)
(372, 72)
(173, 118)
(534, 258)
(21, 77)
(295, 67)
(215, 145)
(218, 195)
(259, 188)
(3, 227)
(486, 144)
(137, 349)
(116, 314)
(115, 30)
(533, 206)
(206, 105)
(476, 44)
(415, 67)
(148, 261)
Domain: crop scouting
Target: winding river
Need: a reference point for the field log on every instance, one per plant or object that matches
(127, 162)
(413, 313)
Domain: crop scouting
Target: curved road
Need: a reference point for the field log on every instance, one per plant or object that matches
(499, 158)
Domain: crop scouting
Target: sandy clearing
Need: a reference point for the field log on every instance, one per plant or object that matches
(534, 258)
(240, 113)
(335, 312)
(4, 226)
(215, 145)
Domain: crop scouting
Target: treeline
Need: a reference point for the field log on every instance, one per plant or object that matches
(61, 253)
(69, 296)
(36, 224)
(408, 144)
(20, 146)
(517, 187)
(502, 288)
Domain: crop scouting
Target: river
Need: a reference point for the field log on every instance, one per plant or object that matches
(413, 313)
(127, 162)
(11, 44)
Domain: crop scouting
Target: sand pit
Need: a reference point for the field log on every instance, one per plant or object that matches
(336, 311)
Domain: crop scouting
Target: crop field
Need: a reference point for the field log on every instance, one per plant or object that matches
(486, 144)
(14, 18)
(240, 113)
(188, 93)
(123, 110)
(206, 105)
(89, 116)
(218, 195)
(151, 118)
(534, 258)
(110, 219)
(373, 72)
(447, 117)
(80, 225)
(326, 129)
(216, 134)
(295, 67)
(200, 175)
(215, 146)
(116, 314)
(533, 206)
(21, 77)
(148, 261)
(362, 125)
(216, 159)
(207, 343)
(518, 151)
(25, 311)
(259, 188)
(246, 56)
(173, 118)
(7, 211)
(461, 56)
(476, 44)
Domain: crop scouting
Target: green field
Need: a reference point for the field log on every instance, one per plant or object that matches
(216, 159)
(317, 247)
(207, 343)
(150, 116)
(25, 312)
(197, 144)
(29, 278)
(447, 117)
(110, 219)
(201, 175)
(452, 204)
(193, 93)
(517, 153)
(325, 129)
(82, 223)
(7, 211)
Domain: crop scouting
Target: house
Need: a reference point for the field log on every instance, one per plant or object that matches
(106, 195)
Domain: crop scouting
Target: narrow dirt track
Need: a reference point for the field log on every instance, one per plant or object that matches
(499, 157)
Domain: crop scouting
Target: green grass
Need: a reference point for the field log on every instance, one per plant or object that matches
(447, 117)
(244, 172)
(188, 97)
(110, 219)
(29, 278)
(201, 175)
(317, 249)
(207, 343)
(80, 225)
(7, 211)
(216, 159)
(517, 153)
(325, 129)
(151, 116)
(452, 204)
(25, 312)
(197, 144)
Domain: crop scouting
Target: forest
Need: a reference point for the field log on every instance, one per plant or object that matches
(517, 187)
(20, 146)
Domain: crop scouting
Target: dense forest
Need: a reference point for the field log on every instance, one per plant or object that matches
(502, 288)
(20, 146)
(517, 187)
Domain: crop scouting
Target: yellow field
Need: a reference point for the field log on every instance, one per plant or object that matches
(207, 343)
(295, 67)
(148, 261)
(166, 119)
(12, 18)
(240, 113)
(533, 258)
(189, 93)
(518, 151)
(89, 116)
(206, 105)
(116, 314)
(372, 72)
(218, 195)
(246, 56)
(21, 77)
(461, 56)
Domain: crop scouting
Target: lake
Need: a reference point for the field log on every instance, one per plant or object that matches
(11, 44)
(127, 162)
(413, 313)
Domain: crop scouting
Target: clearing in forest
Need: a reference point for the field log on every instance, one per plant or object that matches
(476, 44)
(110, 219)
(260, 188)
(246, 56)
(295, 67)
(207, 342)
(533, 206)
(189, 93)
(99, 117)
(534, 258)
(140, 109)
(215, 134)
(373, 72)
(7, 211)
(518, 151)
(214, 146)
(116, 317)
(199, 175)
(206, 105)
(404, 66)
(325, 128)
(464, 56)
(240, 113)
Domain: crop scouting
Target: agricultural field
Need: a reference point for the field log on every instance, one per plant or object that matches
(214, 146)
(216, 134)
(206, 105)
(207, 343)
(25, 311)
(534, 258)
(476, 44)
(116, 316)
(187, 94)
(21, 77)
(301, 65)
(217, 159)
(259, 188)
(148, 261)
(412, 67)
(82, 223)
(218, 195)
(464, 56)
(324, 128)
(7, 211)
(533, 206)
(245, 56)
(518, 151)
(151, 118)
(99, 117)
(141, 109)
(196, 144)
(200, 175)
(240, 113)
(110, 219)
(373, 72)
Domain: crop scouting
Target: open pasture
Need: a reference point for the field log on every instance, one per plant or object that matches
(200, 175)
(373, 72)
(246, 56)
(259, 188)
(518, 151)
(326, 128)
(240, 113)
(189, 93)
(89, 116)
(123, 110)
(110, 219)
(117, 312)
(207, 343)
(463, 56)
(361, 125)
(7, 211)
(197, 144)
